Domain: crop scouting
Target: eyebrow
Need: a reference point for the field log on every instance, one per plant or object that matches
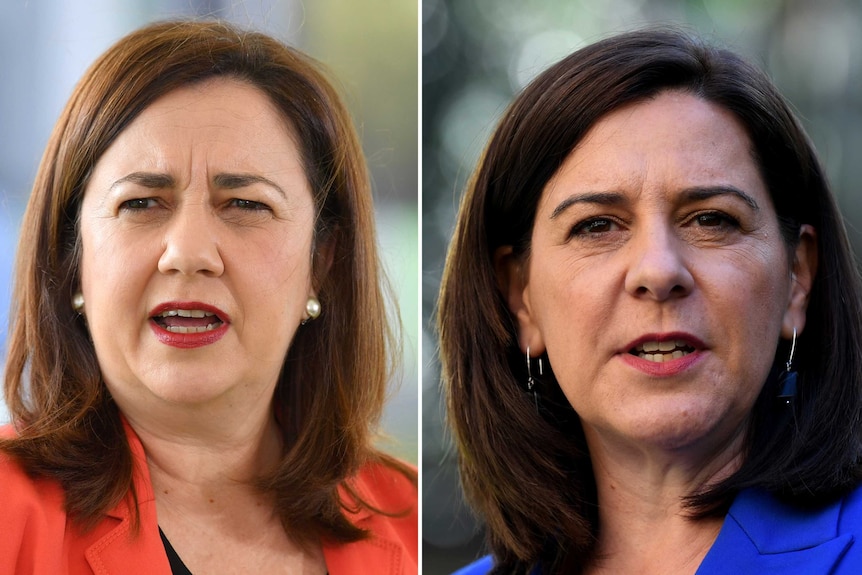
(147, 180)
(706, 192)
(159, 181)
(694, 194)
(236, 181)
(601, 198)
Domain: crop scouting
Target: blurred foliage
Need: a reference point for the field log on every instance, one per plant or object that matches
(370, 47)
(478, 54)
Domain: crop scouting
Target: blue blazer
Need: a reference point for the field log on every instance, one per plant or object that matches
(762, 536)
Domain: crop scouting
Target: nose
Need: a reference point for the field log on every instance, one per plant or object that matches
(658, 268)
(191, 243)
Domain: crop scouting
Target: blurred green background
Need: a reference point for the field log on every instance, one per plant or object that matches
(477, 54)
(370, 48)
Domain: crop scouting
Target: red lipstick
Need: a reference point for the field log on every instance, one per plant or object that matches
(188, 324)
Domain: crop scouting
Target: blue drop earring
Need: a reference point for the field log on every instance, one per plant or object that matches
(531, 381)
(787, 381)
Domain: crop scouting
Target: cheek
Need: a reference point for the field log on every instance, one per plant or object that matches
(758, 334)
(747, 300)
(576, 306)
(113, 265)
(276, 260)
(271, 276)
(282, 285)
(575, 297)
(754, 287)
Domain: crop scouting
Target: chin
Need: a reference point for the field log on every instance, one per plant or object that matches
(682, 425)
(190, 392)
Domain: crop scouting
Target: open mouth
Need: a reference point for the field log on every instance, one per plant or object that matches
(187, 321)
(661, 351)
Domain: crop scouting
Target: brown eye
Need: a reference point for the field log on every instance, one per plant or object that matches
(248, 205)
(715, 220)
(709, 220)
(594, 226)
(138, 204)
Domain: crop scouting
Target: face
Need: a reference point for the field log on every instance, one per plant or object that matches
(196, 229)
(658, 281)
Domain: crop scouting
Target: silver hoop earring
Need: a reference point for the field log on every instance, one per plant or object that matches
(531, 381)
(312, 309)
(787, 381)
(78, 302)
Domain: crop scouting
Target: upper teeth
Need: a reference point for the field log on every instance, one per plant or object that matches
(186, 313)
(653, 346)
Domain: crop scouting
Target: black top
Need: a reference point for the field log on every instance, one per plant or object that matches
(177, 565)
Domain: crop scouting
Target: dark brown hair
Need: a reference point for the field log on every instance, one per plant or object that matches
(529, 474)
(69, 428)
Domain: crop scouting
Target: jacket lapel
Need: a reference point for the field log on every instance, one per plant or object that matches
(374, 556)
(121, 551)
(761, 534)
(118, 552)
(377, 555)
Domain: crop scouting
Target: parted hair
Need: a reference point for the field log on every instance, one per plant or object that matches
(332, 386)
(527, 471)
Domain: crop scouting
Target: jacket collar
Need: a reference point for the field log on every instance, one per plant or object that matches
(372, 556)
(761, 533)
(119, 551)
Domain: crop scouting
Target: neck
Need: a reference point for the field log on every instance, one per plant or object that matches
(644, 524)
(202, 470)
(199, 447)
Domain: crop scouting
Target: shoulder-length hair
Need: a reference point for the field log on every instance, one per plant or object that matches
(68, 427)
(528, 473)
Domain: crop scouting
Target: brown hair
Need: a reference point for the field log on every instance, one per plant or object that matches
(69, 428)
(528, 473)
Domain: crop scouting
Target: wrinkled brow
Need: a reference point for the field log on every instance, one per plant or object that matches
(693, 194)
(236, 181)
(159, 181)
(705, 192)
(600, 198)
(146, 180)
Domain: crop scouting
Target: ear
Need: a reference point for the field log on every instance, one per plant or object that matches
(802, 278)
(512, 276)
(322, 256)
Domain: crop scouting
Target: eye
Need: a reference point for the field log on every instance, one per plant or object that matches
(714, 220)
(593, 226)
(248, 205)
(138, 204)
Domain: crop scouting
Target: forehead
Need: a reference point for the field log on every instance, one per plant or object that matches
(221, 102)
(223, 123)
(671, 141)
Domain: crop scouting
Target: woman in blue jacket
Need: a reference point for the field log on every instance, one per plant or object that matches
(650, 326)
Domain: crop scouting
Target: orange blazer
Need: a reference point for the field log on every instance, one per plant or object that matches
(36, 536)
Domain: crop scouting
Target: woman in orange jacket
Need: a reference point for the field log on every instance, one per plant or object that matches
(199, 350)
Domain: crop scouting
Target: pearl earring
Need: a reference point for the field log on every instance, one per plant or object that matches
(78, 302)
(312, 309)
